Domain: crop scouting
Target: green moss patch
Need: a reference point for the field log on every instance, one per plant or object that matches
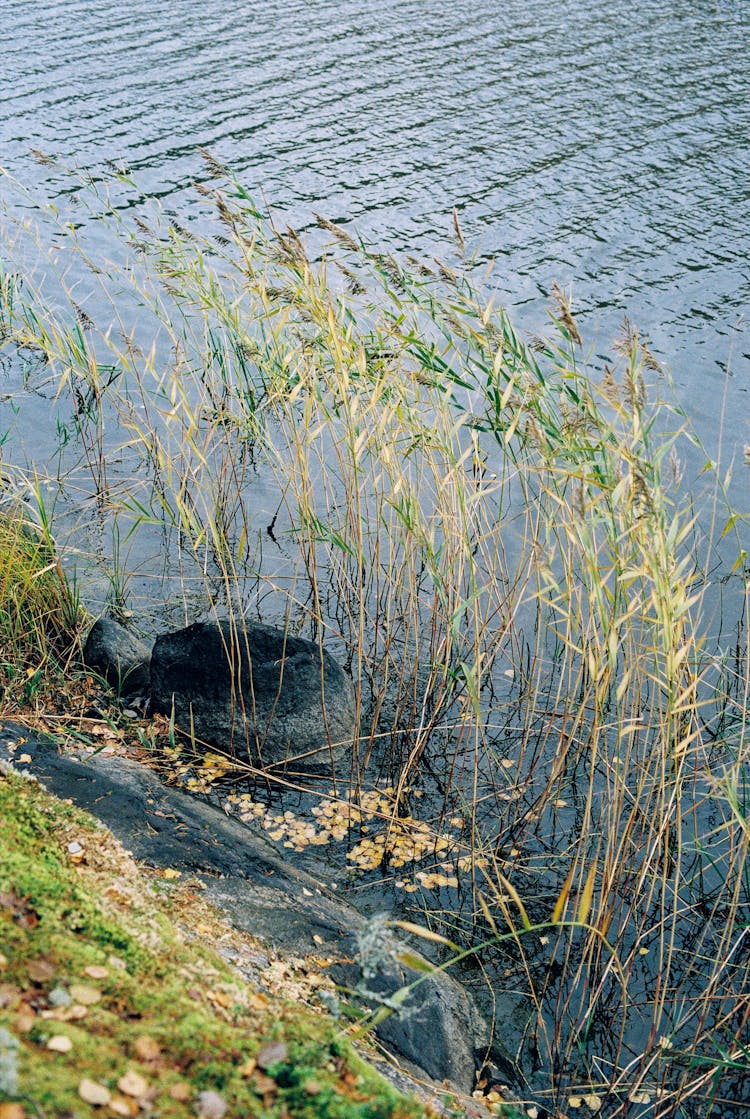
(108, 1008)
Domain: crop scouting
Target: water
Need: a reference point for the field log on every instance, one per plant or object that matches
(607, 152)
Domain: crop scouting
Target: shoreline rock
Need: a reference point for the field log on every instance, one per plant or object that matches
(439, 1028)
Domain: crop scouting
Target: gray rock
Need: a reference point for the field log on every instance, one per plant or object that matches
(256, 692)
(117, 655)
(261, 892)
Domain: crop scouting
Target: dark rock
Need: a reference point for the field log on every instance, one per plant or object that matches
(117, 655)
(257, 693)
(436, 1028)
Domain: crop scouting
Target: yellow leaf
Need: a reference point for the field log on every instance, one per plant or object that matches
(169, 873)
(584, 906)
(426, 934)
(516, 898)
(557, 912)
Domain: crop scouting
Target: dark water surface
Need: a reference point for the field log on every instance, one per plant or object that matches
(604, 147)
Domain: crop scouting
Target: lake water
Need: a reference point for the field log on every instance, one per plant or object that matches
(603, 147)
(607, 148)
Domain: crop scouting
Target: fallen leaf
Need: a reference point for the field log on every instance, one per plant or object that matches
(638, 1095)
(147, 1048)
(12, 1111)
(25, 1021)
(85, 995)
(3, 960)
(170, 873)
(92, 1092)
(180, 1091)
(273, 1053)
(60, 1044)
(219, 998)
(593, 1103)
(40, 971)
(575, 1102)
(128, 1109)
(96, 971)
(133, 1084)
(24, 758)
(248, 1068)
(210, 1105)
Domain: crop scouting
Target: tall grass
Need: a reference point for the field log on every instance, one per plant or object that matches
(492, 535)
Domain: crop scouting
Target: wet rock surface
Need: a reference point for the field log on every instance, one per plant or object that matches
(119, 656)
(258, 692)
(296, 911)
(253, 691)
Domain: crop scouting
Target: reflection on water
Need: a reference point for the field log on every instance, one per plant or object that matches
(607, 150)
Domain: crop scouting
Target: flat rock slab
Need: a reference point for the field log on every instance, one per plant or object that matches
(260, 892)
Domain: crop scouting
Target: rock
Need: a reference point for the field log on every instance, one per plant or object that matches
(256, 692)
(437, 1029)
(117, 655)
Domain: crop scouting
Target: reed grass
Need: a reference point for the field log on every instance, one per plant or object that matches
(492, 534)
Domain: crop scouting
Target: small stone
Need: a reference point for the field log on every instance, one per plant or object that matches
(147, 1048)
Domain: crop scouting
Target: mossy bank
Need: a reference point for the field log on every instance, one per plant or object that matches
(111, 1004)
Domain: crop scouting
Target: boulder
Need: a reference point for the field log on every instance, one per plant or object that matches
(256, 692)
(119, 656)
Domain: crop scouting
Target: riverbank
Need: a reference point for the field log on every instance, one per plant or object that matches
(115, 999)
(492, 535)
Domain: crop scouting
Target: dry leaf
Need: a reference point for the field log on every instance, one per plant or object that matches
(96, 971)
(575, 1102)
(272, 1054)
(133, 1084)
(593, 1103)
(248, 1068)
(147, 1048)
(638, 1095)
(128, 1109)
(40, 971)
(12, 1111)
(92, 1092)
(180, 1091)
(60, 1044)
(170, 873)
(85, 995)
(3, 961)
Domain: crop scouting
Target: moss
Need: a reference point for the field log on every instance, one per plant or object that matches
(96, 931)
